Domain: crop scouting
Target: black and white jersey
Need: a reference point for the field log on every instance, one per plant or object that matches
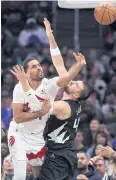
(61, 133)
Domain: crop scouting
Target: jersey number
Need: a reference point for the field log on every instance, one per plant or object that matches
(76, 123)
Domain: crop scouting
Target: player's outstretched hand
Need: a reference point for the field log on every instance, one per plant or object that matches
(20, 74)
(107, 152)
(46, 106)
(79, 58)
(47, 26)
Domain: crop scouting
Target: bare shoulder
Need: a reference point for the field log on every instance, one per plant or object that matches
(61, 109)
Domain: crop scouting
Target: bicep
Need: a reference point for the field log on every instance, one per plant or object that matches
(60, 108)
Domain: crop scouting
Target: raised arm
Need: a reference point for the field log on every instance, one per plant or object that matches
(54, 50)
(73, 71)
(30, 94)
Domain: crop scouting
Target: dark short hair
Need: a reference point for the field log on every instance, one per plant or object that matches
(85, 93)
(26, 61)
(83, 152)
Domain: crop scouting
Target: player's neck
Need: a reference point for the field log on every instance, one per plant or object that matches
(34, 84)
(66, 96)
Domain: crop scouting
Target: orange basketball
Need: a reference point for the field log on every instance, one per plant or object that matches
(105, 14)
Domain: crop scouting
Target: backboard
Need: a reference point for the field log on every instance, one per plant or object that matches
(79, 4)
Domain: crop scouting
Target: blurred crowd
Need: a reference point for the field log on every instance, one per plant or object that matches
(22, 36)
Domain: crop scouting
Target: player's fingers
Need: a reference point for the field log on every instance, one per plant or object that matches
(81, 55)
(13, 72)
(75, 55)
(22, 69)
(45, 19)
(15, 69)
(18, 67)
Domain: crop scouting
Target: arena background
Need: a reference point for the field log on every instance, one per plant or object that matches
(73, 30)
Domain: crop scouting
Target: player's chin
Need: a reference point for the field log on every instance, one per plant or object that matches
(41, 77)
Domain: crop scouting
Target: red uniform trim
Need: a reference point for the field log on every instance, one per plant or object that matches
(40, 154)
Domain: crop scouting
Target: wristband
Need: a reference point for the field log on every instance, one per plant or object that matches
(55, 52)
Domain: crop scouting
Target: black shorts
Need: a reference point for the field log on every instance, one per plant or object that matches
(59, 165)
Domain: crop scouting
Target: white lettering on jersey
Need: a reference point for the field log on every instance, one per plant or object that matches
(76, 122)
(58, 138)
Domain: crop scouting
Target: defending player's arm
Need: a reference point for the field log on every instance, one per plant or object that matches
(18, 107)
(61, 110)
(54, 50)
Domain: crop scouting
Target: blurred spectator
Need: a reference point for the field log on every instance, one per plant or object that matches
(101, 138)
(32, 34)
(114, 169)
(102, 170)
(114, 144)
(4, 150)
(92, 131)
(8, 168)
(29, 172)
(113, 65)
(8, 82)
(79, 142)
(46, 67)
(6, 110)
(109, 108)
(100, 87)
(83, 167)
(109, 41)
(3, 135)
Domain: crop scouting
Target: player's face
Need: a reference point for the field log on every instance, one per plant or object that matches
(36, 71)
(75, 87)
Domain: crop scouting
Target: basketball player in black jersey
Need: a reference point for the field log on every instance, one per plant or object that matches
(60, 131)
